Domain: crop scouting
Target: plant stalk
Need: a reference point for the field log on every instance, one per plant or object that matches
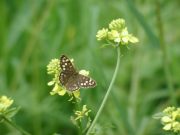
(23, 132)
(107, 93)
(164, 50)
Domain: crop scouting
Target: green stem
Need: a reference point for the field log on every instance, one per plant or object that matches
(23, 132)
(166, 64)
(107, 93)
(77, 106)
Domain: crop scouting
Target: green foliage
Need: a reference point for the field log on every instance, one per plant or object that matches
(34, 32)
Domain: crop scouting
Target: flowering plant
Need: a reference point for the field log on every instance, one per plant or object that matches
(117, 33)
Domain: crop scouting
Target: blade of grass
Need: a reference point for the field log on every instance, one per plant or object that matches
(31, 44)
(164, 50)
(132, 108)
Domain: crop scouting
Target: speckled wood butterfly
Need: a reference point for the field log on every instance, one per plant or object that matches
(71, 79)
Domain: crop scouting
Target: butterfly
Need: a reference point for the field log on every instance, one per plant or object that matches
(71, 79)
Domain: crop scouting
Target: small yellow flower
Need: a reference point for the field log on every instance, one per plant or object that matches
(126, 37)
(167, 127)
(176, 126)
(176, 114)
(84, 72)
(133, 39)
(76, 94)
(169, 110)
(58, 90)
(171, 119)
(53, 67)
(114, 35)
(5, 103)
(117, 24)
(166, 119)
(102, 34)
(82, 114)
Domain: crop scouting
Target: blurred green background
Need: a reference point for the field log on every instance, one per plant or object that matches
(32, 32)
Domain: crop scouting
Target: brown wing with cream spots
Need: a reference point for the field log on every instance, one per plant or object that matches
(67, 69)
(78, 81)
(85, 81)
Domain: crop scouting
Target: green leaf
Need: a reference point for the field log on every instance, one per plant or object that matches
(11, 112)
(158, 115)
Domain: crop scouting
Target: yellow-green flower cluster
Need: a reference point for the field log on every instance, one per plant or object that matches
(117, 33)
(102, 34)
(81, 114)
(54, 69)
(171, 119)
(5, 103)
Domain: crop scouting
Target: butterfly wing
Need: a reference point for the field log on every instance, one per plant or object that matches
(78, 81)
(67, 69)
(85, 81)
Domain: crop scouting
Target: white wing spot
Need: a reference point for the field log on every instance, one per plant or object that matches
(64, 68)
(91, 83)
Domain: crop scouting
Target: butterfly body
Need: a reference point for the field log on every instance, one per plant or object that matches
(71, 79)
